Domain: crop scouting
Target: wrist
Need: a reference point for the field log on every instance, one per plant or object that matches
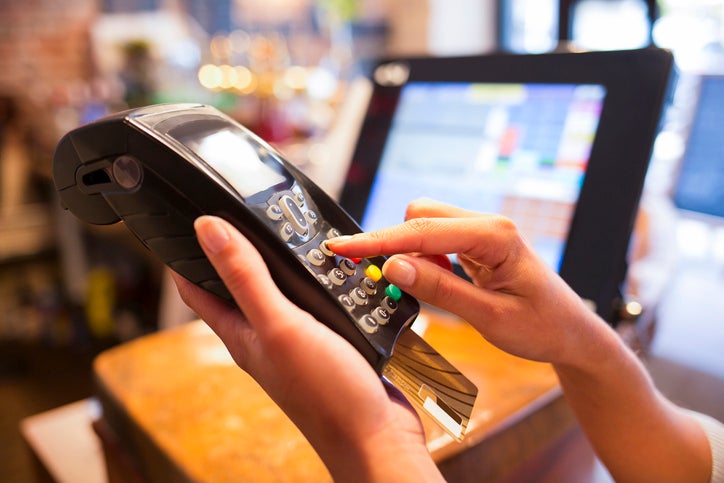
(589, 343)
(401, 457)
(599, 364)
(392, 455)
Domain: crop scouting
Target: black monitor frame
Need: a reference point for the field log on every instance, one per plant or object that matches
(637, 83)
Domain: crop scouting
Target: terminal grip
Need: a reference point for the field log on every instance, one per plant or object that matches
(163, 221)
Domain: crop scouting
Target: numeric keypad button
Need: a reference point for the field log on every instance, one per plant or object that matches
(325, 249)
(359, 296)
(325, 281)
(346, 302)
(389, 304)
(337, 276)
(368, 324)
(369, 286)
(286, 231)
(381, 315)
(316, 257)
(348, 266)
(312, 217)
(274, 213)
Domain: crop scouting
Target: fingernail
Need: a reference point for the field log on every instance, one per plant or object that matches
(340, 239)
(337, 240)
(211, 233)
(399, 272)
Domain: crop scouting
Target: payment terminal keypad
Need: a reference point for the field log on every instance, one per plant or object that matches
(357, 284)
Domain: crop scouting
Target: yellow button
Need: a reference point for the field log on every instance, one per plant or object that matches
(374, 273)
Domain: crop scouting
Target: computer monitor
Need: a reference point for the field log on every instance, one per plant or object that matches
(560, 143)
(699, 186)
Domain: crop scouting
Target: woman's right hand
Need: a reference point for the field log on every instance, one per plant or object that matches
(516, 301)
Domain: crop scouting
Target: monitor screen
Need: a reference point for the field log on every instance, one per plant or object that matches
(700, 184)
(517, 149)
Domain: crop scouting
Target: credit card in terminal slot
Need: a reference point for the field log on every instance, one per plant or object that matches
(431, 383)
(159, 168)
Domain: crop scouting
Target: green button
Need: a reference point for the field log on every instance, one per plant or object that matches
(394, 292)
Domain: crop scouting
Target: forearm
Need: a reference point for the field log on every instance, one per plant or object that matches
(635, 431)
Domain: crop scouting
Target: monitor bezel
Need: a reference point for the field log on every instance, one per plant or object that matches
(637, 83)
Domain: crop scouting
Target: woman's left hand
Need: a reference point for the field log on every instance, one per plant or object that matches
(362, 429)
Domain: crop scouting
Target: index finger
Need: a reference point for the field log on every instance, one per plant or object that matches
(487, 239)
(429, 208)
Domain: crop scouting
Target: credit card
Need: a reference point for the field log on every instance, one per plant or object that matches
(430, 382)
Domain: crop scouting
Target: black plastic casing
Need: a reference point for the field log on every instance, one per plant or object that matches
(175, 189)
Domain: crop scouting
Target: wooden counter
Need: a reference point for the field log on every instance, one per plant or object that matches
(177, 408)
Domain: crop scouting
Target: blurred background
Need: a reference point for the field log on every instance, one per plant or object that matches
(287, 69)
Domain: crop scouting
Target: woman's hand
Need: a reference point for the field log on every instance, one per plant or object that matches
(320, 381)
(517, 302)
(524, 308)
